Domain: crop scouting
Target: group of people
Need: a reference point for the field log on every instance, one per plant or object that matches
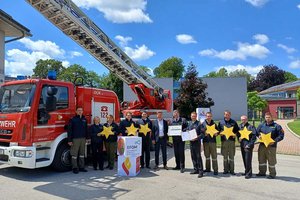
(207, 131)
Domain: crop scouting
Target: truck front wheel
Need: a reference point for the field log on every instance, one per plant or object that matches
(62, 158)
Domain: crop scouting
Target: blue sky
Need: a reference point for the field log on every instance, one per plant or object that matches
(234, 34)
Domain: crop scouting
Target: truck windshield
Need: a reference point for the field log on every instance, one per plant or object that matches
(16, 98)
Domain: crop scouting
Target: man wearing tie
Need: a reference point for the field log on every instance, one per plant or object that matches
(159, 138)
(179, 145)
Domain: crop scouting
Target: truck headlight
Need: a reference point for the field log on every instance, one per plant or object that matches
(23, 153)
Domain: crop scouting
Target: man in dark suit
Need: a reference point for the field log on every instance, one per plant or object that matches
(179, 145)
(160, 138)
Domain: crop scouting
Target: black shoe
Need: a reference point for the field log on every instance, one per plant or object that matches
(271, 177)
(225, 172)
(248, 176)
(206, 170)
(75, 171)
(148, 167)
(82, 170)
(195, 172)
(243, 174)
(107, 167)
(200, 175)
(95, 168)
(232, 173)
(182, 170)
(101, 168)
(176, 168)
(111, 168)
(155, 167)
(216, 173)
(259, 174)
(166, 167)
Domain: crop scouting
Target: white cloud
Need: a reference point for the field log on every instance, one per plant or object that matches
(286, 48)
(298, 6)
(47, 47)
(75, 54)
(261, 38)
(295, 64)
(253, 70)
(123, 41)
(185, 39)
(22, 62)
(257, 3)
(119, 11)
(243, 51)
(139, 53)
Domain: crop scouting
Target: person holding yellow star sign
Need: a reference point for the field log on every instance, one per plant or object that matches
(228, 130)
(145, 126)
(128, 126)
(270, 133)
(107, 131)
(247, 137)
(209, 143)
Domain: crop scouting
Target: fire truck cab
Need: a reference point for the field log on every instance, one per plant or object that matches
(34, 116)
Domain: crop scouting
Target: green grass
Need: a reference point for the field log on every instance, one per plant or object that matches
(295, 126)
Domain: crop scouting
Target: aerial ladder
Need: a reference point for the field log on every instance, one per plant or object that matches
(66, 16)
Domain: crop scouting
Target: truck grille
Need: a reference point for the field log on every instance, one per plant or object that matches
(4, 144)
(7, 137)
(4, 158)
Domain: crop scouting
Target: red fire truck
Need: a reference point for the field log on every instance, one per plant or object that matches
(34, 113)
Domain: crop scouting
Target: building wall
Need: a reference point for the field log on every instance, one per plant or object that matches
(228, 94)
(273, 106)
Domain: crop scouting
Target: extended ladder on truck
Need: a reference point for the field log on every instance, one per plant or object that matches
(65, 15)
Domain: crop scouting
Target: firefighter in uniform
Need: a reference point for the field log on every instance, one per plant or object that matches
(97, 143)
(195, 146)
(247, 145)
(178, 144)
(77, 135)
(146, 140)
(268, 153)
(228, 145)
(111, 142)
(209, 144)
(127, 122)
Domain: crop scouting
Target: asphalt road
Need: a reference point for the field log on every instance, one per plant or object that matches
(42, 184)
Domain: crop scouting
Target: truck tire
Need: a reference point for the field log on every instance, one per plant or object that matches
(62, 158)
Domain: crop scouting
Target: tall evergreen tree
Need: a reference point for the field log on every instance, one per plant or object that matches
(191, 94)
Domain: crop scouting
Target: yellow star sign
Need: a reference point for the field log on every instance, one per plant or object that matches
(131, 130)
(227, 132)
(106, 131)
(245, 133)
(144, 129)
(266, 139)
(211, 130)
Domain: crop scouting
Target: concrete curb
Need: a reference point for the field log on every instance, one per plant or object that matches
(292, 131)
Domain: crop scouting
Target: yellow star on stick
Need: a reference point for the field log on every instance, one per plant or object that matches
(227, 132)
(245, 134)
(266, 139)
(211, 130)
(131, 130)
(144, 129)
(106, 131)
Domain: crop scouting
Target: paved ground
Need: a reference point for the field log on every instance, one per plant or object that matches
(290, 144)
(45, 184)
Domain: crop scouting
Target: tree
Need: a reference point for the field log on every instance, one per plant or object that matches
(289, 77)
(146, 69)
(255, 102)
(216, 74)
(112, 82)
(191, 94)
(44, 66)
(268, 76)
(170, 68)
(298, 94)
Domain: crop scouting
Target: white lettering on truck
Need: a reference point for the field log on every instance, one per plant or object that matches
(8, 124)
